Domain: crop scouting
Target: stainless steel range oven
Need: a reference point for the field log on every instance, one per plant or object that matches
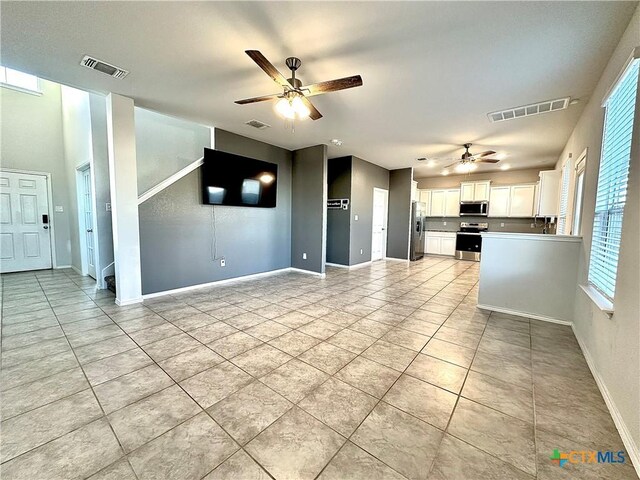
(469, 240)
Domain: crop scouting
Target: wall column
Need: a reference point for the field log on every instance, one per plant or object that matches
(123, 181)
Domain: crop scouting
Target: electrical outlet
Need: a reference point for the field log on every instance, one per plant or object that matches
(223, 262)
(304, 256)
(361, 251)
(355, 217)
(108, 206)
(502, 224)
(444, 223)
(533, 225)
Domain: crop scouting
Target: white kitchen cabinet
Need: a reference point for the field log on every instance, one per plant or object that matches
(521, 200)
(452, 203)
(424, 196)
(499, 201)
(474, 191)
(440, 243)
(467, 191)
(547, 201)
(448, 245)
(481, 191)
(438, 198)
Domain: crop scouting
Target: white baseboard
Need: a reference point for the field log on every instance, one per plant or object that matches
(78, 271)
(308, 272)
(61, 267)
(349, 267)
(226, 281)
(124, 303)
(524, 314)
(627, 439)
(391, 259)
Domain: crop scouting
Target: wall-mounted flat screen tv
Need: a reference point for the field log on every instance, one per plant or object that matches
(229, 179)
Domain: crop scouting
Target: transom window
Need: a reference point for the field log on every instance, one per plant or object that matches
(19, 80)
(611, 195)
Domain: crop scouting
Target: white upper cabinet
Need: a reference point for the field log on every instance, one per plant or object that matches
(467, 191)
(424, 196)
(481, 192)
(438, 198)
(499, 201)
(521, 200)
(548, 193)
(442, 203)
(452, 203)
(414, 191)
(474, 191)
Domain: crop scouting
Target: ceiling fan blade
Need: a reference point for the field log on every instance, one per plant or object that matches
(483, 154)
(454, 163)
(486, 160)
(268, 68)
(258, 99)
(332, 85)
(315, 114)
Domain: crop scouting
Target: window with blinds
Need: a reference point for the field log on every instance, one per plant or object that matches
(564, 199)
(612, 182)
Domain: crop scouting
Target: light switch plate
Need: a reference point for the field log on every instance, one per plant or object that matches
(355, 217)
(304, 256)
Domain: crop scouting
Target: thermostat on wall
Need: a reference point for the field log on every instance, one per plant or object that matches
(59, 209)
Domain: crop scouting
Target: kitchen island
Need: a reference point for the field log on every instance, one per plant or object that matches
(532, 275)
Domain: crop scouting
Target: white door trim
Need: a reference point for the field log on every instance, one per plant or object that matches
(385, 223)
(81, 233)
(52, 230)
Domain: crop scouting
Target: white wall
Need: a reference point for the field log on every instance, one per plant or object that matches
(612, 344)
(76, 133)
(32, 139)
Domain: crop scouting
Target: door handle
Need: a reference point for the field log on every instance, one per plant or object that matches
(89, 230)
(46, 227)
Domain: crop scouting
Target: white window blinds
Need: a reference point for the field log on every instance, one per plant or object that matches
(612, 182)
(564, 199)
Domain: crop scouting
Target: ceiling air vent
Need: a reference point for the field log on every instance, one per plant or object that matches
(529, 110)
(104, 67)
(257, 124)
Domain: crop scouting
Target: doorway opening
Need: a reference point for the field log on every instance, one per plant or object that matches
(379, 224)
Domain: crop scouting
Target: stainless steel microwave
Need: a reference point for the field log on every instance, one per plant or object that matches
(474, 209)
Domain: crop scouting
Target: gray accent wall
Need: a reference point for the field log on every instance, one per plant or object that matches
(338, 221)
(165, 145)
(399, 213)
(365, 177)
(308, 208)
(182, 240)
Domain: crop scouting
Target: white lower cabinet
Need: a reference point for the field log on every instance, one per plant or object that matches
(440, 243)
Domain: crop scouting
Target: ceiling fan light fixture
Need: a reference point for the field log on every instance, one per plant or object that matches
(299, 107)
(444, 172)
(506, 166)
(292, 107)
(466, 167)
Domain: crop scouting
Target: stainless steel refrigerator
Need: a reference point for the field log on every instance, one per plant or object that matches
(416, 245)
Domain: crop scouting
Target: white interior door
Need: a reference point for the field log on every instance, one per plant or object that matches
(25, 240)
(379, 228)
(86, 197)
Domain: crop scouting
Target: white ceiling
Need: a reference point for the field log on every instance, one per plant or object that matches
(431, 71)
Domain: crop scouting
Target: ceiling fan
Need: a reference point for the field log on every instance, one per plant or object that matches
(293, 102)
(469, 159)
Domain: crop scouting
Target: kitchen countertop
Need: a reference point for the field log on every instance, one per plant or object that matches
(532, 236)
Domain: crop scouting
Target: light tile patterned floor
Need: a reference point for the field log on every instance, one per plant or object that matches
(383, 372)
